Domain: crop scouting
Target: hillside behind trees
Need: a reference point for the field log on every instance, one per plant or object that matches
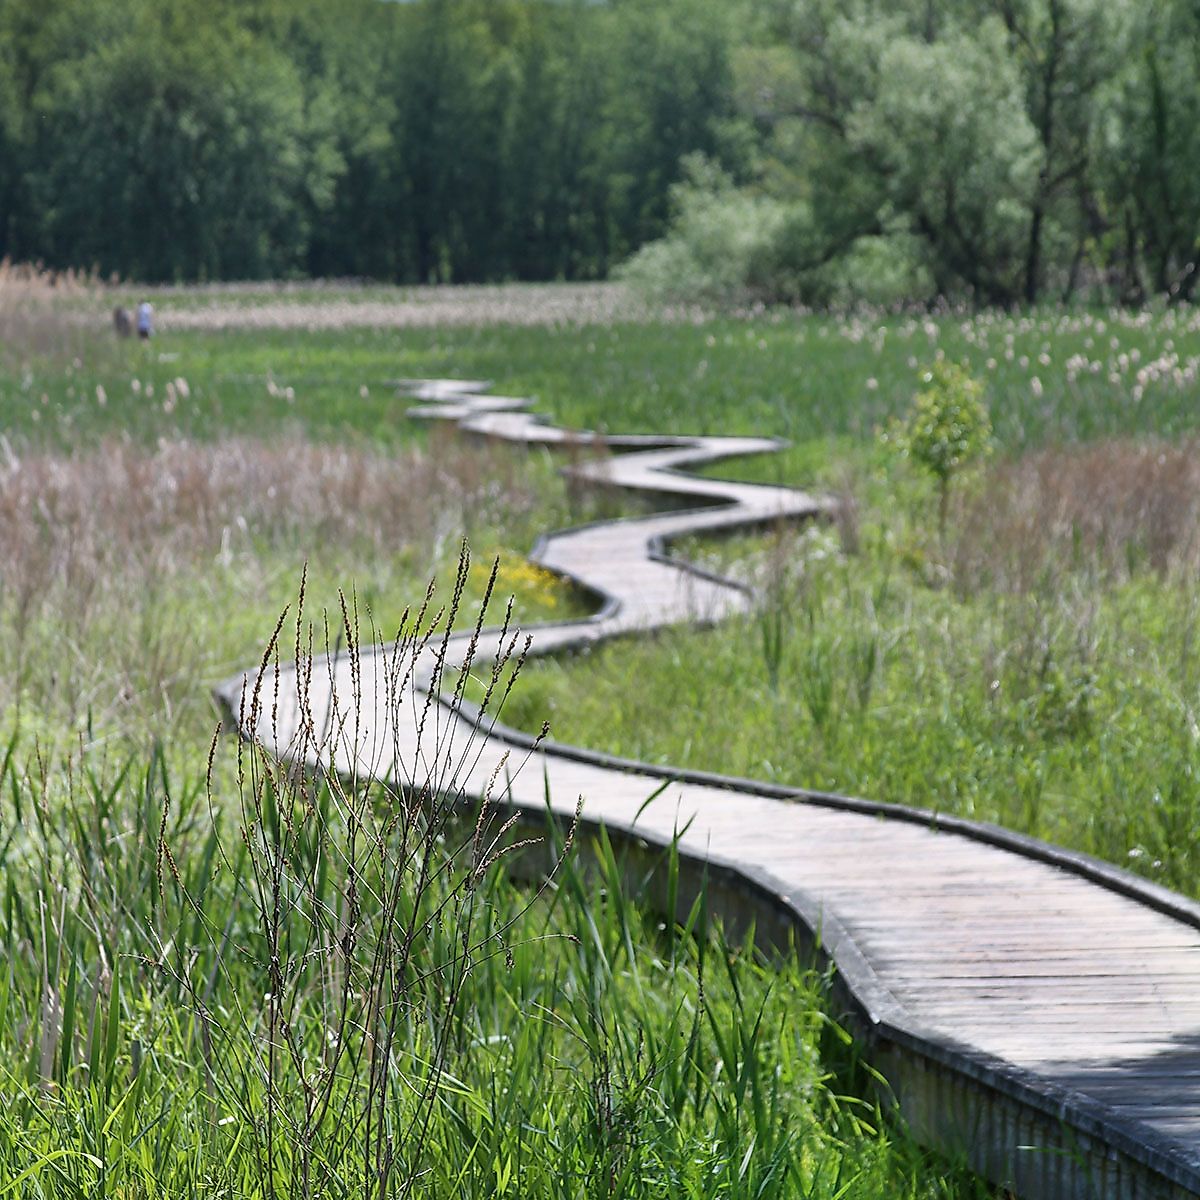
(811, 151)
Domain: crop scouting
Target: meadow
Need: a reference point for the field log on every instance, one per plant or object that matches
(559, 1042)
(1034, 666)
(170, 1028)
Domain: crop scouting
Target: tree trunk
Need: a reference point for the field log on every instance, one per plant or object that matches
(1033, 259)
(1073, 273)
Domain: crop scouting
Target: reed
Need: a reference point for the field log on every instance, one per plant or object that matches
(131, 575)
(282, 982)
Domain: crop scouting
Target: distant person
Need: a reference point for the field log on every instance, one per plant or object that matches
(145, 320)
(122, 321)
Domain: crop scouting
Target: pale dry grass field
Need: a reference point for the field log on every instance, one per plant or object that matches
(1115, 506)
(40, 313)
(459, 306)
(133, 577)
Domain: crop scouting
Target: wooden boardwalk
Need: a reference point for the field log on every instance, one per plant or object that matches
(1032, 1008)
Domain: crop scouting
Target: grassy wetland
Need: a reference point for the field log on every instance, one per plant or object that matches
(945, 252)
(197, 1000)
(1034, 665)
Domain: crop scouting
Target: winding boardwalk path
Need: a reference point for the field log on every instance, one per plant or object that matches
(1031, 1008)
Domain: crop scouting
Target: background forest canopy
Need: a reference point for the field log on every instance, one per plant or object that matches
(804, 151)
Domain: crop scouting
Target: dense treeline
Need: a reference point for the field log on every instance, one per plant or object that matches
(443, 139)
(1002, 150)
(805, 150)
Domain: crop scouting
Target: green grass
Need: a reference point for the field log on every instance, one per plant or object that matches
(237, 383)
(883, 689)
(818, 381)
(121, 613)
(1056, 694)
(142, 671)
(609, 1056)
(1064, 706)
(585, 1049)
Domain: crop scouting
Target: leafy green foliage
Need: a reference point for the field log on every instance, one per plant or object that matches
(956, 149)
(865, 152)
(180, 148)
(1001, 151)
(722, 239)
(948, 428)
(432, 141)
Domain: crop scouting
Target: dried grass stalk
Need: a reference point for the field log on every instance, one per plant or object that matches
(1113, 508)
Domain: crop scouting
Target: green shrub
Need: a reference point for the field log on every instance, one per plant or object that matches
(947, 429)
(720, 237)
(731, 246)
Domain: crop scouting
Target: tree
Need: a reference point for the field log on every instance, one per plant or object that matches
(947, 429)
(882, 150)
(948, 130)
(991, 147)
(1065, 50)
(1150, 153)
(671, 85)
(178, 149)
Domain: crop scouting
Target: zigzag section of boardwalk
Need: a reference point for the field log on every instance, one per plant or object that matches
(1031, 1008)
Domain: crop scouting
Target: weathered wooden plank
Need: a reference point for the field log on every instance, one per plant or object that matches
(1059, 984)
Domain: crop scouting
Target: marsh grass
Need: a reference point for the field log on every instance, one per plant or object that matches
(987, 678)
(346, 306)
(1115, 509)
(280, 984)
(1038, 669)
(132, 577)
(599, 1057)
(368, 899)
(40, 316)
(825, 382)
